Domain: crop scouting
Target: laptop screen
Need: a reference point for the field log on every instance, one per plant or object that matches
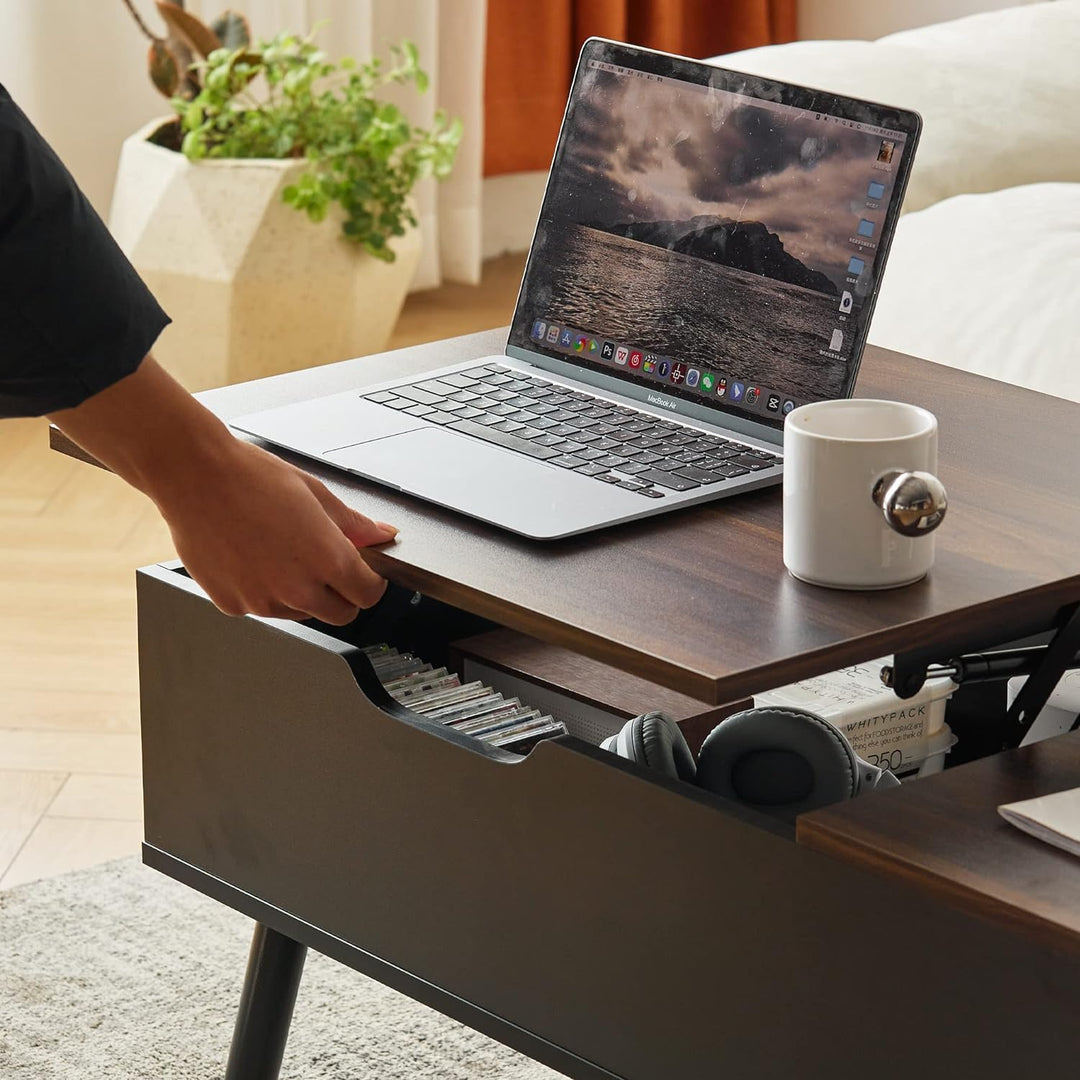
(710, 235)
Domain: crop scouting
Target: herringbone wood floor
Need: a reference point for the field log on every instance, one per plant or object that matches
(70, 539)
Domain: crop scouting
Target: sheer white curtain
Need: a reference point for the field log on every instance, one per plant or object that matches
(78, 70)
(450, 37)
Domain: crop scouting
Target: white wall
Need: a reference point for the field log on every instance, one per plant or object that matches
(77, 68)
(837, 19)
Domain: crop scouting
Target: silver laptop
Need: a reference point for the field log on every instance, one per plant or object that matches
(706, 260)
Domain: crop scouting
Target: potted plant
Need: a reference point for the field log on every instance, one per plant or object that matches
(206, 201)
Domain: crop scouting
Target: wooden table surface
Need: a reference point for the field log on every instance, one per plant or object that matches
(948, 838)
(699, 599)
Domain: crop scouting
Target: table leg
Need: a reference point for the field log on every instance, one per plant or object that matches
(275, 965)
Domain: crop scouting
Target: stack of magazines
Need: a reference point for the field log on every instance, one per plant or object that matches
(471, 708)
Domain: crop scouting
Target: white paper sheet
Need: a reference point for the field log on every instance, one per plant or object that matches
(1053, 818)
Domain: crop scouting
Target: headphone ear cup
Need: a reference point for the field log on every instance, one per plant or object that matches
(783, 762)
(654, 740)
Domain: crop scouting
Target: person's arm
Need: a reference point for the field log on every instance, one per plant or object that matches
(75, 325)
(257, 534)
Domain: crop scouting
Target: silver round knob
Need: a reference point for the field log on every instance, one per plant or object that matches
(913, 503)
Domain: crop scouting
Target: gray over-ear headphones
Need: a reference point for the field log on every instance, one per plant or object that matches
(655, 740)
(782, 762)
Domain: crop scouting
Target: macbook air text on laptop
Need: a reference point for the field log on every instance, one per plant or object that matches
(706, 259)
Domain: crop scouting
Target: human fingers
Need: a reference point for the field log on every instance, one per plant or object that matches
(350, 576)
(329, 606)
(360, 530)
(356, 582)
(282, 611)
(229, 601)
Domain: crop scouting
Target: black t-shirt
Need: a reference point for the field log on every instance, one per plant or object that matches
(74, 315)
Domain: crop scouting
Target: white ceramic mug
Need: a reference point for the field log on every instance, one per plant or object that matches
(854, 515)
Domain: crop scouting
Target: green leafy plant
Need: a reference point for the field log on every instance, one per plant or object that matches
(284, 98)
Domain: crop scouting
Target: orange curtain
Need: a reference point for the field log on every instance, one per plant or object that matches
(532, 49)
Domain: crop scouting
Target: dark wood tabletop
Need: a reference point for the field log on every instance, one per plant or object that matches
(699, 600)
(948, 838)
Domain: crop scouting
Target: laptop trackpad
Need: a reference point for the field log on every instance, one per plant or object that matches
(477, 478)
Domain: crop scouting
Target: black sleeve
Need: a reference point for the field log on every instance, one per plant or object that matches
(74, 315)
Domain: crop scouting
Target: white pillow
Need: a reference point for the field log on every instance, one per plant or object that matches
(990, 283)
(996, 91)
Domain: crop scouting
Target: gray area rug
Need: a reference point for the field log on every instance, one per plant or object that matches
(120, 972)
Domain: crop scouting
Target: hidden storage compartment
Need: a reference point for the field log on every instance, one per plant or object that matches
(592, 699)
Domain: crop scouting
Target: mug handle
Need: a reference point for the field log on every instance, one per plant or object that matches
(913, 503)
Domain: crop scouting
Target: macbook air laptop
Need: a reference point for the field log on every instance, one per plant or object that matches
(706, 259)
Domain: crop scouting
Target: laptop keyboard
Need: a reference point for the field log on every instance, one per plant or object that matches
(574, 430)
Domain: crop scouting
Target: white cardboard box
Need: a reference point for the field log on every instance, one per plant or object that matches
(902, 735)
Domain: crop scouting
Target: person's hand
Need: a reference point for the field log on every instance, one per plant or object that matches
(263, 537)
(259, 535)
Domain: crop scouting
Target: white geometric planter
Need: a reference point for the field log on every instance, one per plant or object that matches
(253, 286)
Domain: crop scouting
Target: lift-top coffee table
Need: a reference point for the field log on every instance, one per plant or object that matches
(604, 920)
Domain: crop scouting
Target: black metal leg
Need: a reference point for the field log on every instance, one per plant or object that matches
(275, 965)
